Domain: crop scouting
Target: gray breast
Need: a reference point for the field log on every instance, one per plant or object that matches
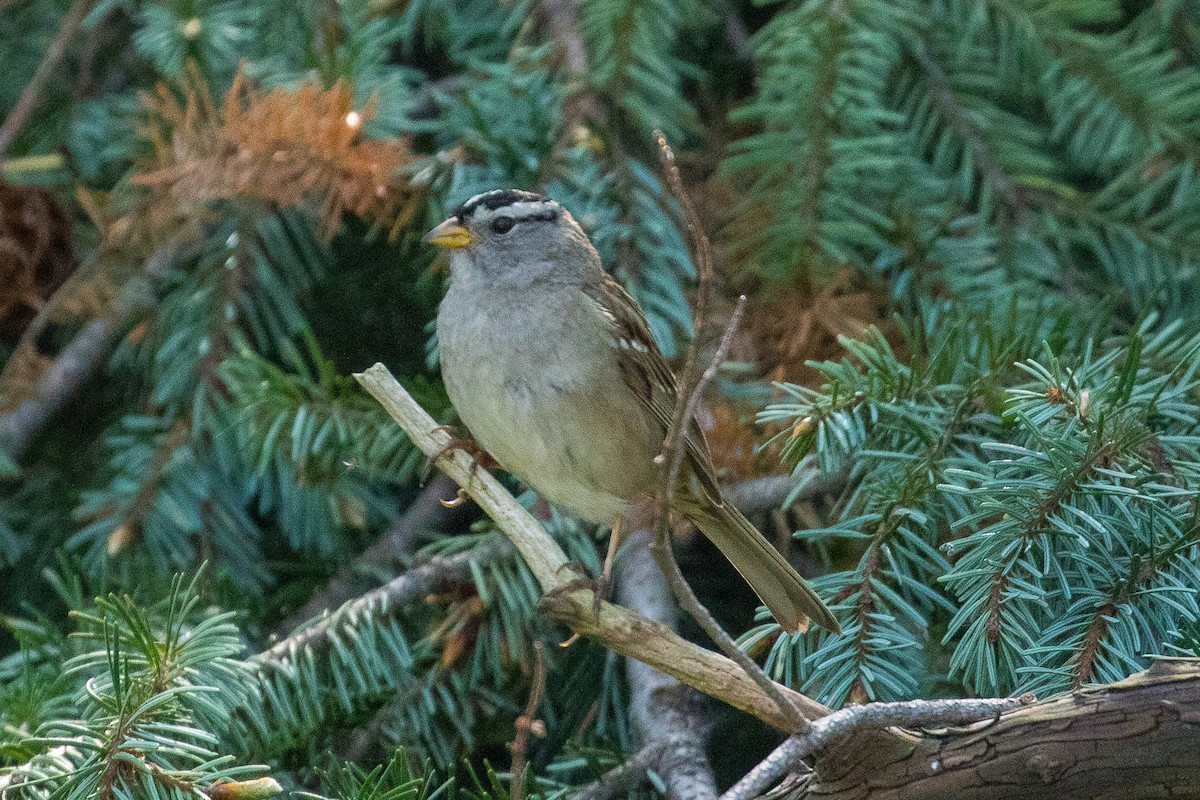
(540, 390)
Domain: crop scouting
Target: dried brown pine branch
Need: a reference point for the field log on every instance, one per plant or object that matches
(295, 147)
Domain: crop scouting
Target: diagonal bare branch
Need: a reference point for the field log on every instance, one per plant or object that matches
(618, 629)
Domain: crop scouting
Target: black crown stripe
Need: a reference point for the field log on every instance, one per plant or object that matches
(500, 198)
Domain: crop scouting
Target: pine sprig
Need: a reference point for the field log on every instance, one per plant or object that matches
(161, 678)
(1042, 497)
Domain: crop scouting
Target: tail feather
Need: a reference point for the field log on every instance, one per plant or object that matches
(788, 596)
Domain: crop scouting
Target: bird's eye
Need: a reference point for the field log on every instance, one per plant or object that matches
(502, 224)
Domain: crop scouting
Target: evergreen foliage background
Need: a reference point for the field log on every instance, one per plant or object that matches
(969, 231)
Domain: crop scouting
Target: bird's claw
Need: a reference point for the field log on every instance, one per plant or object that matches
(459, 498)
(599, 586)
(479, 456)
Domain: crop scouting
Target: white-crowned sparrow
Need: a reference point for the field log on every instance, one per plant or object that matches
(552, 367)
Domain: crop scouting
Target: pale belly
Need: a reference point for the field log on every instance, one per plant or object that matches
(587, 450)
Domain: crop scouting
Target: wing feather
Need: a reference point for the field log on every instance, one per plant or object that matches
(647, 374)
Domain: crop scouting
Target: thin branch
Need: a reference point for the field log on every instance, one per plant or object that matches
(704, 271)
(624, 777)
(527, 723)
(663, 553)
(693, 401)
(35, 90)
(618, 629)
(397, 544)
(820, 134)
(958, 120)
(828, 731)
(72, 367)
(431, 577)
(691, 384)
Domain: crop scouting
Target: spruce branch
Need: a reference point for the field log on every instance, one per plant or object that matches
(159, 679)
(967, 128)
(618, 629)
(298, 147)
(1121, 599)
(821, 134)
(363, 650)
(432, 576)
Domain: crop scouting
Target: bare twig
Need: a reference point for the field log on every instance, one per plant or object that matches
(527, 723)
(693, 400)
(704, 271)
(691, 384)
(828, 731)
(618, 629)
(35, 90)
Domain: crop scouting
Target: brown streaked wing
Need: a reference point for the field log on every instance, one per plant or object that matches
(647, 374)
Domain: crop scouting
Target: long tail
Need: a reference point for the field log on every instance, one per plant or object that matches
(789, 597)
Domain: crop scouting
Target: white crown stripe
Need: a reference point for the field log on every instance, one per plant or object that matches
(520, 205)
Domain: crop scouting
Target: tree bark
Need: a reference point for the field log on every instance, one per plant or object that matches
(1138, 738)
(666, 713)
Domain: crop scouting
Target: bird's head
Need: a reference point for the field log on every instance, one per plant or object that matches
(509, 237)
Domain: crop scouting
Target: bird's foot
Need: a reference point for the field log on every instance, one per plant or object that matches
(479, 456)
(599, 586)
